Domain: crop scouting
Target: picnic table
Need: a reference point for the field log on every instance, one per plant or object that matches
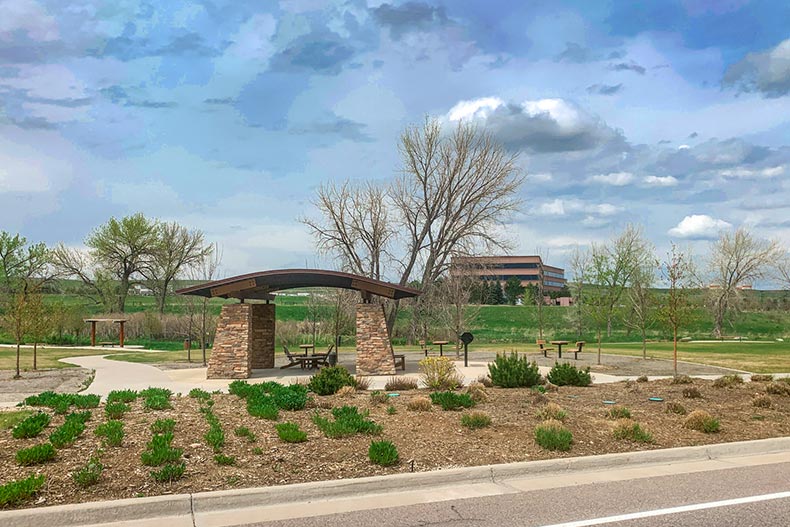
(440, 343)
(307, 347)
(559, 344)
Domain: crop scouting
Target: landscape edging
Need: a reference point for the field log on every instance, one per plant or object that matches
(217, 501)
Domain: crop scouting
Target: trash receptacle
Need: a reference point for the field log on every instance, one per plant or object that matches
(187, 344)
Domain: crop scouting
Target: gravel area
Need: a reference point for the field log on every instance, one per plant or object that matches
(65, 380)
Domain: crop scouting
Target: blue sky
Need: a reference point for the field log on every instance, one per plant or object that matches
(225, 115)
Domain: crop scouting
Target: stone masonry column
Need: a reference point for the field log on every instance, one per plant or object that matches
(374, 350)
(262, 336)
(231, 357)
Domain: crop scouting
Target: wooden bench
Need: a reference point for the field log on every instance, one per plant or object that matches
(400, 361)
(105, 344)
(424, 347)
(579, 349)
(542, 347)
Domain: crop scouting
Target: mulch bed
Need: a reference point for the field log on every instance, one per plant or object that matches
(431, 440)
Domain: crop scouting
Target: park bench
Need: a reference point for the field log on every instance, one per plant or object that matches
(543, 349)
(106, 344)
(400, 361)
(424, 347)
(579, 348)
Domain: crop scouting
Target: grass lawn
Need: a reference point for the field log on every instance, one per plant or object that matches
(160, 357)
(10, 419)
(47, 357)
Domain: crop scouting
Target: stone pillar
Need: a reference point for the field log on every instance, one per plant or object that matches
(230, 356)
(262, 336)
(374, 350)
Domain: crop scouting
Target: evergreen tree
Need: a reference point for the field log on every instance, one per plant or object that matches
(513, 290)
(497, 294)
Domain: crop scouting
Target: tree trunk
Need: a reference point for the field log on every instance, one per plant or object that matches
(17, 376)
(675, 349)
(599, 346)
(644, 344)
(203, 331)
(35, 349)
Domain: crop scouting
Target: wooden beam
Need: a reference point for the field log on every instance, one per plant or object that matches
(376, 289)
(234, 287)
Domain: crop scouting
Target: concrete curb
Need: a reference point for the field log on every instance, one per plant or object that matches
(190, 505)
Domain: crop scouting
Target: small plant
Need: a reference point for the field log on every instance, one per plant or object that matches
(400, 384)
(777, 388)
(162, 426)
(348, 421)
(539, 389)
(512, 371)
(452, 400)
(439, 373)
(391, 410)
(122, 396)
(486, 381)
(762, 401)
(243, 431)
(82, 417)
(35, 455)
(156, 392)
(475, 420)
(702, 421)
(170, 472)
(552, 411)
(681, 379)
(330, 379)
(157, 402)
(31, 426)
(477, 392)
(15, 493)
(215, 437)
(346, 391)
(68, 432)
(263, 407)
(762, 378)
(293, 397)
(566, 374)
(642, 378)
(676, 408)
(116, 410)
(201, 395)
(362, 383)
(240, 389)
(728, 381)
(378, 397)
(420, 404)
(61, 402)
(290, 433)
(160, 452)
(631, 431)
(619, 412)
(551, 435)
(222, 459)
(89, 474)
(383, 453)
(111, 431)
(258, 451)
(691, 393)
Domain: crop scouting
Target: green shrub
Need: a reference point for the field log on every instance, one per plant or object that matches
(159, 451)
(383, 453)
(116, 410)
(676, 408)
(391, 410)
(215, 438)
(35, 455)
(619, 412)
(329, 380)
(452, 400)
(691, 393)
(290, 433)
(61, 402)
(566, 374)
(122, 396)
(157, 402)
(162, 426)
(197, 393)
(111, 431)
(240, 389)
(512, 371)
(399, 384)
(627, 429)
(258, 451)
(156, 392)
(82, 417)
(475, 420)
(552, 411)
(378, 397)
(67, 433)
(15, 493)
(439, 373)
(728, 381)
(84, 402)
(348, 421)
(32, 426)
(551, 435)
(222, 459)
(168, 473)
(702, 421)
(263, 406)
(243, 431)
(89, 474)
(292, 398)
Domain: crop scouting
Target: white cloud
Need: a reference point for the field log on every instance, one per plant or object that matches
(753, 173)
(767, 72)
(660, 181)
(699, 227)
(542, 177)
(617, 179)
(28, 17)
(560, 207)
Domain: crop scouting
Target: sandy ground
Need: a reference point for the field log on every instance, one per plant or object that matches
(65, 380)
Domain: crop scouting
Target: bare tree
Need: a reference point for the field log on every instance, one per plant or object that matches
(579, 266)
(206, 269)
(453, 306)
(641, 313)
(737, 259)
(676, 307)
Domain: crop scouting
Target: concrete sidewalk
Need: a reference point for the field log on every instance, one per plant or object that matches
(242, 506)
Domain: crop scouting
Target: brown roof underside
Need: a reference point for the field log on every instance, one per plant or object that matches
(260, 285)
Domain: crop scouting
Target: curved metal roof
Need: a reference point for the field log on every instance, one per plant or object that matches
(260, 285)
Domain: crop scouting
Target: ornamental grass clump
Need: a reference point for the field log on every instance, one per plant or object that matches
(681, 379)
(676, 408)
(263, 406)
(419, 404)
(512, 371)
(757, 377)
(159, 451)
(222, 459)
(378, 397)
(383, 453)
(702, 421)
(61, 402)
(552, 411)
(477, 391)
(566, 374)
(35, 455)
(452, 400)
(762, 401)
(169, 473)
(619, 412)
(400, 384)
(439, 373)
(116, 410)
(200, 395)
(552, 435)
(122, 396)
(31, 426)
(348, 421)
(111, 432)
(476, 420)
(162, 426)
(156, 398)
(243, 431)
(15, 493)
(691, 393)
(330, 379)
(777, 388)
(626, 429)
(89, 474)
(728, 381)
(68, 432)
(290, 433)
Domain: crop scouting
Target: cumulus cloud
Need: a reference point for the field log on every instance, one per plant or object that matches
(699, 227)
(616, 179)
(766, 72)
(753, 173)
(563, 207)
(29, 18)
(660, 181)
(543, 125)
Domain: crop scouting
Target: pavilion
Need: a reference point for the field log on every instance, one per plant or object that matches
(246, 331)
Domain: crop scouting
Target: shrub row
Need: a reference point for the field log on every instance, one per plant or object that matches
(61, 402)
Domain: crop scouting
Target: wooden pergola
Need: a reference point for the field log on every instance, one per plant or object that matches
(119, 321)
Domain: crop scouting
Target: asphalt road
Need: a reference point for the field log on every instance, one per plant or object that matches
(648, 502)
